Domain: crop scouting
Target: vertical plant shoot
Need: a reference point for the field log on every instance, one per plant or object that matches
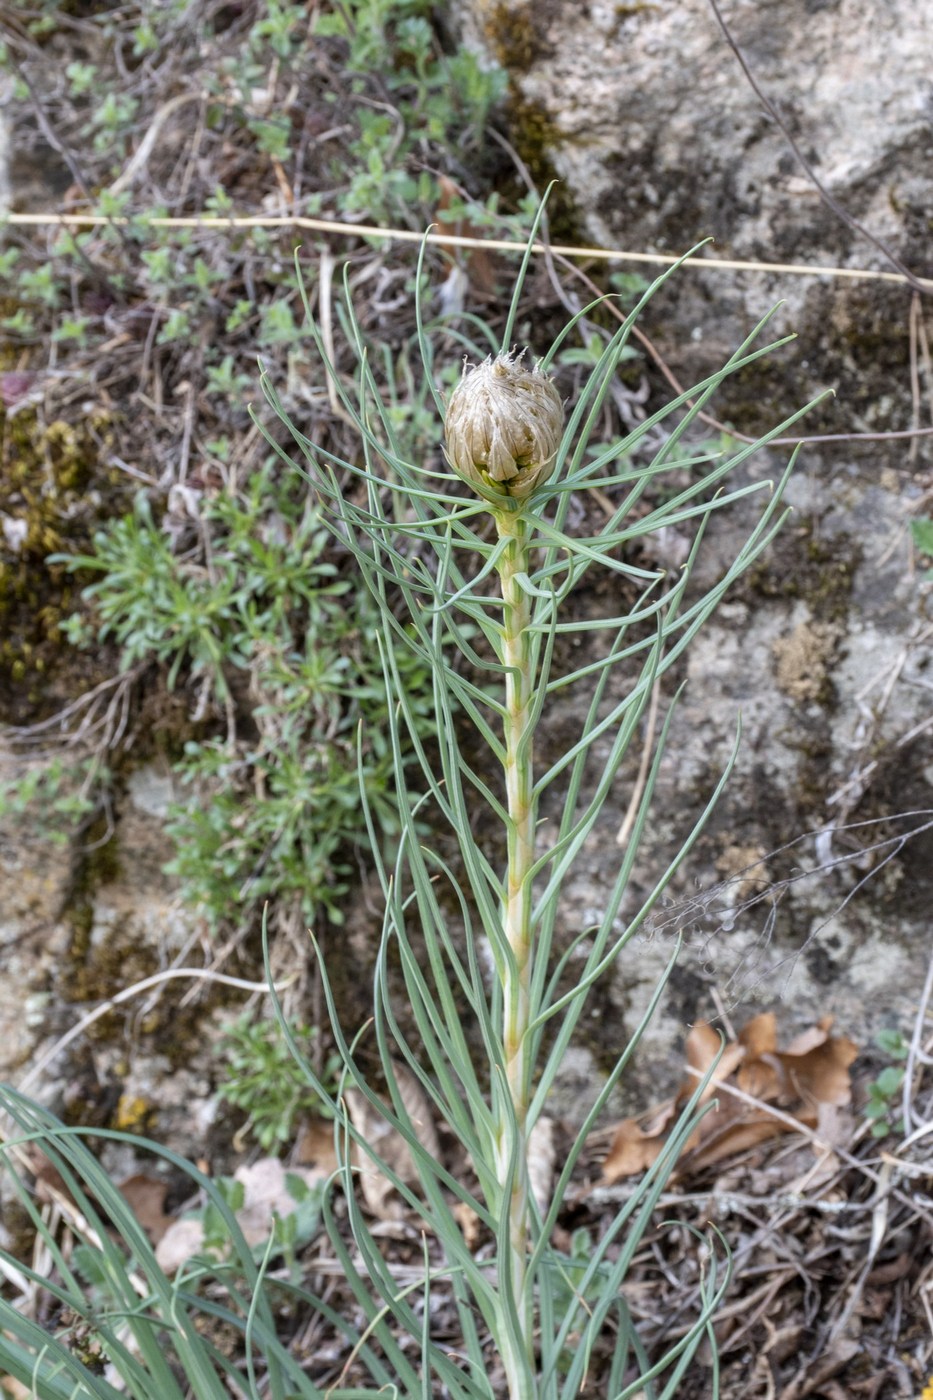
(503, 429)
(488, 1016)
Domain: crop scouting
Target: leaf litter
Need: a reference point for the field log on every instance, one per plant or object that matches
(829, 1232)
(748, 1078)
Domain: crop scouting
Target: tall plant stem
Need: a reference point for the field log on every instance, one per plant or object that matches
(519, 778)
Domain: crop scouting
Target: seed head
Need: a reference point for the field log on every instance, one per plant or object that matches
(503, 426)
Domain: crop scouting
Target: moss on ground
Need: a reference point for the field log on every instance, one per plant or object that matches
(52, 493)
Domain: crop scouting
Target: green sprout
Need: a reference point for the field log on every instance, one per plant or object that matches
(884, 1091)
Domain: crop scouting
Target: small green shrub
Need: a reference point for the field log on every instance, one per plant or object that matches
(263, 1079)
(260, 609)
(439, 101)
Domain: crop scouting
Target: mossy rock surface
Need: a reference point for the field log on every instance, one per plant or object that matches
(54, 489)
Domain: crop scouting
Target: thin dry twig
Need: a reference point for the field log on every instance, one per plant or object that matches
(905, 434)
(920, 284)
(916, 1057)
(628, 821)
(169, 974)
(508, 245)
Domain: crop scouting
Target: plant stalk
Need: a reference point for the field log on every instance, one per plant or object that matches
(512, 1145)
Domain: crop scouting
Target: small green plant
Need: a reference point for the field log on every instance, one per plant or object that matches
(885, 1089)
(575, 1290)
(294, 1224)
(56, 794)
(264, 1081)
(276, 812)
(438, 98)
(422, 542)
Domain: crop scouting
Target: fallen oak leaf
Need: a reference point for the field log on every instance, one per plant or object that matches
(635, 1148)
(631, 1151)
(821, 1073)
(750, 1074)
(637, 1142)
(759, 1035)
(801, 1081)
(730, 1135)
(145, 1196)
(314, 1146)
(811, 1038)
(703, 1044)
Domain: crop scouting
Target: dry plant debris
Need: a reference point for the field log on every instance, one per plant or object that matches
(829, 1232)
(830, 1237)
(808, 1082)
(268, 1197)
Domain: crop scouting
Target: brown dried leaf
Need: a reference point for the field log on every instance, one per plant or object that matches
(821, 1074)
(702, 1046)
(418, 1110)
(476, 263)
(50, 1184)
(469, 1223)
(315, 1145)
(145, 1196)
(806, 1080)
(762, 1079)
(378, 1191)
(633, 1149)
(728, 1138)
(759, 1035)
(810, 1039)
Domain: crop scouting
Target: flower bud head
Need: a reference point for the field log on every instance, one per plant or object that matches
(503, 426)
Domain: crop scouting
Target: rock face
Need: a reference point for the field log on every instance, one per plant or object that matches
(807, 891)
(82, 922)
(646, 114)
